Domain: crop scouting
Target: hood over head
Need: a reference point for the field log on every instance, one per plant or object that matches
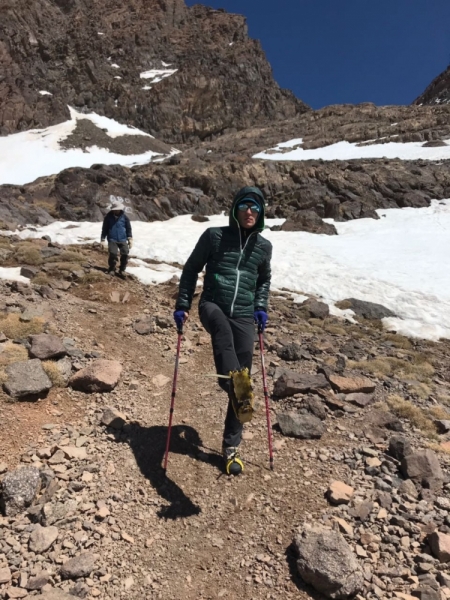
(254, 194)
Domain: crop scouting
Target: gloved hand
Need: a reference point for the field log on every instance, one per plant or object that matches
(104, 244)
(180, 317)
(261, 319)
(130, 243)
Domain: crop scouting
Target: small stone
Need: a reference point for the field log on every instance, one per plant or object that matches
(42, 538)
(345, 527)
(340, 493)
(440, 546)
(127, 538)
(19, 489)
(3, 468)
(74, 453)
(101, 376)
(102, 513)
(16, 592)
(160, 380)
(79, 566)
(113, 418)
(5, 575)
(38, 582)
(382, 514)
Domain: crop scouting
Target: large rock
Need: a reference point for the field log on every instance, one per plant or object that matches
(315, 308)
(19, 489)
(299, 425)
(327, 563)
(42, 538)
(339, 492)
(399, 447)
(45, 347)
(351, 385)
(367, 310)
(424, 468)
(79, 566)
(440, 546)
(101, 376)
(290, 383)
(26, 378)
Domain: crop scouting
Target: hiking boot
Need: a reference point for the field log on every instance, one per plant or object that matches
(111, 271)
(121, 274)
(241, 395)
(233, 461)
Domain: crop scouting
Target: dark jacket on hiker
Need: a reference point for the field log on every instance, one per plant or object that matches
(237, 260)
(116, 229)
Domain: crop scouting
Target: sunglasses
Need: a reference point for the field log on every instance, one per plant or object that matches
(243, 207)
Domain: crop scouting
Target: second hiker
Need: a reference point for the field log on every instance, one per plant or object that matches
(235, 296)
(117, 237)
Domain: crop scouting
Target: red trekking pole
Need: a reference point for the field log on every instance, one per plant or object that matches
(172, 401)
(266, 395)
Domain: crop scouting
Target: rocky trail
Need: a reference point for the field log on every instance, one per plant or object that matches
(359, 418)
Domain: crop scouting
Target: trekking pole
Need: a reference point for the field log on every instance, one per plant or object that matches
(172, 401)
(266, 396)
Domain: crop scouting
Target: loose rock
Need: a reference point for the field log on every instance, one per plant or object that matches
(101, 376)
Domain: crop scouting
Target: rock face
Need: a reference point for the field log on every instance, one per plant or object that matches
(438, 92)
(70, 51)
(302, 426)
(19, 489)
(326, 562)
(101, 376)
(26, 378)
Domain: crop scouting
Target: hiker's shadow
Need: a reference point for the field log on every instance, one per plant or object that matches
(148, 445)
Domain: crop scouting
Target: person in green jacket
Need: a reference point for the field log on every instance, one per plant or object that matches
(235, 296)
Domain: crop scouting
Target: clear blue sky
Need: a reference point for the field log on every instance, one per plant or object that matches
(350, 51)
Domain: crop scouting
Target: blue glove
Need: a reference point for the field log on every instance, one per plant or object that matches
(261, 319)
(180, 318)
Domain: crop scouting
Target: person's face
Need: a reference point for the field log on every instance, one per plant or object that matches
(116, 213)
(247, 214)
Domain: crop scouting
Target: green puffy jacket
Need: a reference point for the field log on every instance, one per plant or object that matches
(237, 260)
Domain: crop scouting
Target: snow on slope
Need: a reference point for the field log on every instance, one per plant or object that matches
(400, 261)
(31, 154)
(351, 151)
(156, 75)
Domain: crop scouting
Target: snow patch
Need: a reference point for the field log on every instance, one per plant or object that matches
(157, 75)
(352, 151)
(114, 66)
(36, 153)
(398, 261)
(12, 274)
(44, 93)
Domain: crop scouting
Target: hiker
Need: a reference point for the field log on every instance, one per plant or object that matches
(117, 231)
(235, 296)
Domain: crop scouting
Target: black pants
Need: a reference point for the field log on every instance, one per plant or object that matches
(232, 342)
(113, 249)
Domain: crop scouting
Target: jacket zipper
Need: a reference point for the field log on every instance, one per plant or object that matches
(238, 273)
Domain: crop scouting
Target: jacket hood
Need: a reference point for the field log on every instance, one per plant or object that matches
(257, 196)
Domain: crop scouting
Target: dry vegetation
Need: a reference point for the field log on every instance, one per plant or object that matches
(389, 366)
(28, 255)
(14, 328)
(54, 373)
(415, 415)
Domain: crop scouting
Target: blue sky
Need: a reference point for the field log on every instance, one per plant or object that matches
(350, 51)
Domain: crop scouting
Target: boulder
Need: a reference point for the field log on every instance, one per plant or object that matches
(327, 563)
(29, 272)
(302, 426)
(26, 378)
(315, 308)
(79, 566)
(111, 417)
(290, 352)
(351, 385)
(399, 447)
(42, 538)
(18, 490)
(45, 346)
(101, 376)
(290, 383)
(367, 310)
(423, 467)
(440, 546)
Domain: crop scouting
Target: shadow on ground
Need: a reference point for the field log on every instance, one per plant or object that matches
(148, 445)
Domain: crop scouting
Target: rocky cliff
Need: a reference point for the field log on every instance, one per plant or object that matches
(438, 92)
(173, 71)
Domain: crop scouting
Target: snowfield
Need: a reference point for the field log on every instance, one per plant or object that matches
(291, 150)
(400, 260)
(31, 154)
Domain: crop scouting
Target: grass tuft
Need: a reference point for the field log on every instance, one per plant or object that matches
(389, 366)
(13, 328)
(418, 418)
(12, 353)
(54, 374)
